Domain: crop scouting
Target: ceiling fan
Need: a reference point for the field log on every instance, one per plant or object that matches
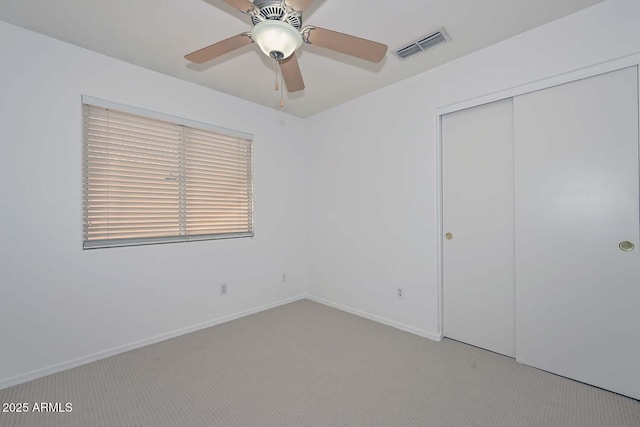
(277, 30)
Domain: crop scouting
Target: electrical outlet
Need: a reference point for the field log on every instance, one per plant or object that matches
(400, 293)
(223, 289)
(284, 277)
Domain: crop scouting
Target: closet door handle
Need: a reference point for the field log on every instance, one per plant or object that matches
(448, 236)
(626, 246)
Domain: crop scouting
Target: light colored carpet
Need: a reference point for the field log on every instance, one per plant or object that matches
(305, 364)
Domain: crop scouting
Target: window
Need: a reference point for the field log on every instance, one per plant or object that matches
(150, 178)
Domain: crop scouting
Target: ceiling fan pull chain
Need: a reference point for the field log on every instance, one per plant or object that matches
(281, 93)
(277, 66)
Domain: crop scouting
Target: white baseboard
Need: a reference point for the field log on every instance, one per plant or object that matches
(43, 372)
(379, 319)
(59, 367)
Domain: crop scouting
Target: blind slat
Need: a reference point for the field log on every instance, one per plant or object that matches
(94, 140)
(129, 151)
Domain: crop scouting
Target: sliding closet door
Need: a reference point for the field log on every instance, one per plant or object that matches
(477, 150)
(577, 222)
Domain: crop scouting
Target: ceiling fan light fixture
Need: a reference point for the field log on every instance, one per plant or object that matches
(276, 39)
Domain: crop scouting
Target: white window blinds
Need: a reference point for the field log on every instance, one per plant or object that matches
(154, 181)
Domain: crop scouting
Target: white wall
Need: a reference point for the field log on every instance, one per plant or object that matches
(372, 214)
(58, 302)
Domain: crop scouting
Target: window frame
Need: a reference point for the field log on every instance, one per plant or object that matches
(173, 120)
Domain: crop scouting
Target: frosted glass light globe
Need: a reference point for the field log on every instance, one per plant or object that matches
(276, 36)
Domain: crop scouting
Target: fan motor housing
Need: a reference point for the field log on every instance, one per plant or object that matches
(273, 10)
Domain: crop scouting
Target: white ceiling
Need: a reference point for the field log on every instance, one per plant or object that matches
(156, 34)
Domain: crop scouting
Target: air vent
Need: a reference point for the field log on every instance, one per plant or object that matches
(423, 43)
(408, 51)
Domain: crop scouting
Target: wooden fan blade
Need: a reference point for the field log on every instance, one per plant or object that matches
(291, 73)
(299, 5)
(217, 49)
(241, 5)
(345, 43)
